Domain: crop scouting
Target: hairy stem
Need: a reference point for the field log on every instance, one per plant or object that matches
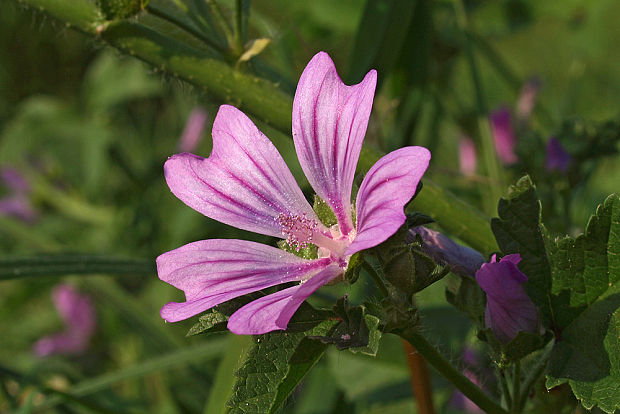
(450, 372)
(420, 380)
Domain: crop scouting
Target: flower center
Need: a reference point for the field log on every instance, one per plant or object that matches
(299, 231)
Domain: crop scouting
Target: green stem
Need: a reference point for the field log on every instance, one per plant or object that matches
(534, 373)
(494, 191)
(449, 371)
(239, 29)
(65, 264)
(504, 386)
(516, 388)
(375, 276)
(155, 11)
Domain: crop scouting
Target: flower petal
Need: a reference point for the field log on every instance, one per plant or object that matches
(329, 124)
(213, 271)
(62, 343)
(387, 187)
(509, 308)
(75, 309)
(244, 182)
(273, 312)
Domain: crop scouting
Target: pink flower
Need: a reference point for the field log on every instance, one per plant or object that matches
(467, 156)
(527, 99)
(17, 203)
(192, 134)
(246, 184)
(503, 135)
(509, 309)
(79, 317)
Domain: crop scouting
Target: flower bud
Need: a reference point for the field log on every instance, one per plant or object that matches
(509, 309)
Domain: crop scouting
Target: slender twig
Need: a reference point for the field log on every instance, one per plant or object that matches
(516, 388)
(450, 372)
(504, 386)
(534, 373)
(222, 22)
(420, 380)
(238, 28)
(155, 11)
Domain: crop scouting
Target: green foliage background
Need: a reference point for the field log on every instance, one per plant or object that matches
(91, 128)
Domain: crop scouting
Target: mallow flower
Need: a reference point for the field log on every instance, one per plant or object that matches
(509, 309)
(245, 183)
(78, 314)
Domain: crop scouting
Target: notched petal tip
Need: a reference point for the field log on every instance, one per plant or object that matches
(385, 190)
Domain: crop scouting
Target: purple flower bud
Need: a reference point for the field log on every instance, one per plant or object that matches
(527, 99)
(461, 260)
(192, 134)
(557, 157)
(509, 309)
(467, 156)
(503, 135)
(78, 314)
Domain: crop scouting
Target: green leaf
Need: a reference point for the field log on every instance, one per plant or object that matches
(518, 230)
(520, 346)
(468, 298)
(587, 352)
(380, 37)
(307, 354)
(272, 369)
(64, 264)
(358, 331)
(211, 322)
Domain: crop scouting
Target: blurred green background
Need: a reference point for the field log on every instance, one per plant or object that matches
(90, 129)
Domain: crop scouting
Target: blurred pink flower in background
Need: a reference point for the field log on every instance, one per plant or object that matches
(527, 99)
(459, 400)
(467, 156)
(503, 135)
(17, 203)
(557, 159)
(78, 315)
(192, 134)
